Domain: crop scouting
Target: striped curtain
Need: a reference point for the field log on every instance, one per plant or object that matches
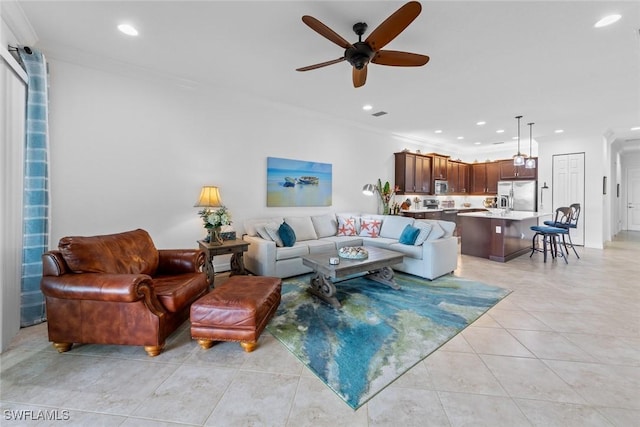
(36, 189)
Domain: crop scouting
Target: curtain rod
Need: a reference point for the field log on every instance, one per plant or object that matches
(27, 49)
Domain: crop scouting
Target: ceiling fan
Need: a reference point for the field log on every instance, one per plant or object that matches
(361, 53)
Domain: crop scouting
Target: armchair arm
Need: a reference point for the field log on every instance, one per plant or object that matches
(103, 287)
(176, 261)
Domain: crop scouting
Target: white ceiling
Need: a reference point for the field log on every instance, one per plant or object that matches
(489, 61)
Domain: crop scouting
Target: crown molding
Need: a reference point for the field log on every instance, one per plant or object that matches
(17, 22)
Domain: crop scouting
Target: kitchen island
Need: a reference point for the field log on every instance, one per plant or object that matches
(497, 235)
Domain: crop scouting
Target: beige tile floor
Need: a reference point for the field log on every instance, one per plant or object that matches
(562, 350)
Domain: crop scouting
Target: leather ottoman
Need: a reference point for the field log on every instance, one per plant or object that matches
(237, 310)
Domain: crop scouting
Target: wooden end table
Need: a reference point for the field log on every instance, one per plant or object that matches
(234, 247)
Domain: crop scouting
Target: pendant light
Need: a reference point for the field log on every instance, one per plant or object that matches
(531, 162)
(518, 159)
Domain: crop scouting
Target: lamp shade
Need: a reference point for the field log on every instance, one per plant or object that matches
(209, 197)
(368, 190)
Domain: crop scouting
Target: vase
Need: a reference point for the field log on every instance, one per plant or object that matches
(214, 236)
(385, 208)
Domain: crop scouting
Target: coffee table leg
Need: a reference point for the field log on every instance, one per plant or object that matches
(323, 288)
(384, 276)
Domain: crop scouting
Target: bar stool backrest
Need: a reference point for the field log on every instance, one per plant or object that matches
(575, 215)
(563, 217)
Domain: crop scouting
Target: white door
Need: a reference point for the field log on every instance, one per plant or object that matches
(633, 199)
(568, 188)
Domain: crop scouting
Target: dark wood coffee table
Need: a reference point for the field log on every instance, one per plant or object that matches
(378, 265)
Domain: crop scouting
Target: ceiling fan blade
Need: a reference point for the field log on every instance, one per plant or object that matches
(359, 76)
(325, 31)
(399, 59)
(320, 65)
(393, 25)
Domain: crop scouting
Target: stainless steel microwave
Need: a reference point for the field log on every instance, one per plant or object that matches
(440, 186)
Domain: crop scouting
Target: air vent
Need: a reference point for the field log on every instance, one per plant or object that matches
(499, 142)
(379, 113)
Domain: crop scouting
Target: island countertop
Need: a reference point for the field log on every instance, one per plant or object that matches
(497, 214)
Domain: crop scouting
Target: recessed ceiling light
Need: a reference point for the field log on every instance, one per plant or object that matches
(477, 143)
(480, 123)
(635, 128)
(558, 131)
(367, 107)
(128, 29)
(607, 20)
(461, 137)
(438, 131)
(500, 131)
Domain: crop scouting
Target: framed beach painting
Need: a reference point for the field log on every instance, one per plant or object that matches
(298, 183)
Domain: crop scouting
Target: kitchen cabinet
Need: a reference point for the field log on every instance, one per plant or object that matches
(458, 177)
(509, 171)
(484, 178)
(412, 173)
(423, 214)
(439, 168)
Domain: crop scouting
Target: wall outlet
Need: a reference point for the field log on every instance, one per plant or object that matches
(498, 229)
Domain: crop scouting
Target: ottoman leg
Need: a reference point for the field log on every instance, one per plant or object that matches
(204, 343)
(248, 346)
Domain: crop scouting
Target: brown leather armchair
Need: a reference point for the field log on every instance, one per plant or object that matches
(119, 289)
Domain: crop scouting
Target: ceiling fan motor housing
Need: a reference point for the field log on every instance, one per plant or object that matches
(359, 55)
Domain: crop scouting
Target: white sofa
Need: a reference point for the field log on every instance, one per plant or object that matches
(437, 256)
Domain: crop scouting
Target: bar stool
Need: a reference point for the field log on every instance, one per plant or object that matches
(551, 235)
(573, 223)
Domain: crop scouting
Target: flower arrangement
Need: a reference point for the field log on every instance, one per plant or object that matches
(215, 219)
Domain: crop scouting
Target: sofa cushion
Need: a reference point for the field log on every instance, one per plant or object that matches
(302, 226)
(295, 251)
(370, 227)
(261, 229)
(131, 252)
(436, 232)
(379, 242)
(410, 251)
(340, 241)
(250, 224)
(273, 230)
(425, 229)
(347, 226)
(409, 235)
(325, 225)
(448, 226)
(393, 226)
(287, 235)
(320, 246)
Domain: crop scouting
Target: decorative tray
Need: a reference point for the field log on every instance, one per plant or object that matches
(353, 252)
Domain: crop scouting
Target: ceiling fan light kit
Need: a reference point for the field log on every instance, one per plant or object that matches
(361, 53)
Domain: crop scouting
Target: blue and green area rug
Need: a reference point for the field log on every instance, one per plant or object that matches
(379, 333)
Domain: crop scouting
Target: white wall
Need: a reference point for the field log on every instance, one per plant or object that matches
(127, 153)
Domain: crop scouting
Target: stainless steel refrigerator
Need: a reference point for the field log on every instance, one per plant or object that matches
(524, 194)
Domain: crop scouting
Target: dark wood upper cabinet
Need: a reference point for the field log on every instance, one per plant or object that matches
(484, 178)
(415, 174)
(458, 177)
(439, 166)
(509, 171)
(412, 173)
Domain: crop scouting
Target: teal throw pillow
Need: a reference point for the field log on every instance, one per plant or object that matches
(409, 235)
(287, 235)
